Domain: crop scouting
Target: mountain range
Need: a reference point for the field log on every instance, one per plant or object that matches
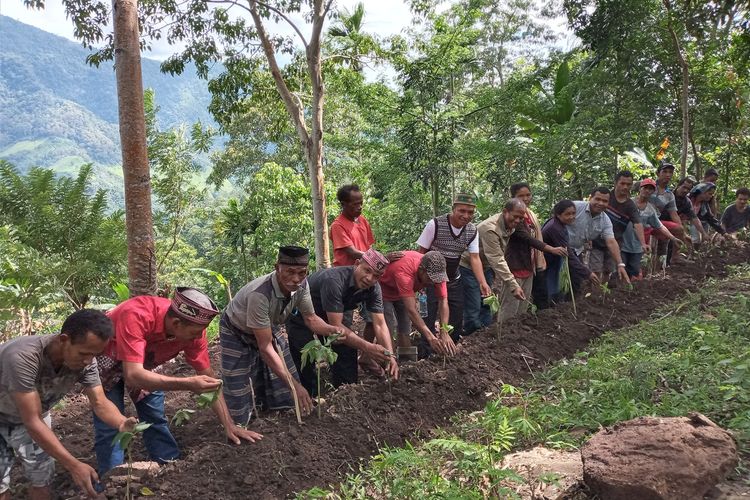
(56, 111)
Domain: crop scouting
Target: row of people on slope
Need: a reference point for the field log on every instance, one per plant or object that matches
(457, 262)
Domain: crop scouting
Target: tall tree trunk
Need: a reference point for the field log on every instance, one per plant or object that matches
(138, 219)
(685, 92)
(310, 140)
(315, 148)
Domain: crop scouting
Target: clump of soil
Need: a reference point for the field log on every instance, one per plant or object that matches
(360, 418)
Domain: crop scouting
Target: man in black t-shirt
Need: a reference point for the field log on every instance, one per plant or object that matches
(335, 291)
(737, 215)
(621, 211)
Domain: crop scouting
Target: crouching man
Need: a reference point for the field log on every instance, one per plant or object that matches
(35, 373)
(334, 292)
(150, 331)
(255, 375)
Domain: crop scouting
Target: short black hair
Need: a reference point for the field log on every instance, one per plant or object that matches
(711, 171)
(561, 206)
(685, 179)
(80, 323)
(515, 188)
(600, 189)
(344, 192)
(623, 173)
(742, 192)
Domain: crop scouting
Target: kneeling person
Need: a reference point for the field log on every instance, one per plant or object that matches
(335, 291)
(254, 373)
(150, 331)
(35, 373)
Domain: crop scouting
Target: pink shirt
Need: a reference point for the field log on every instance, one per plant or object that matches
(140, 336)
(400, 278)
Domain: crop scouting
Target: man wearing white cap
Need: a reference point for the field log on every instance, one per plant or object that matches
(150, 331)
(334, 291)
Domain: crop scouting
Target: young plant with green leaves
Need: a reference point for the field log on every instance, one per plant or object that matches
(125, 440)
(319, 354)
(203, 401)
(566, 284)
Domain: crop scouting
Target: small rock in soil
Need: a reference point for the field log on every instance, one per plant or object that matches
(649, 458)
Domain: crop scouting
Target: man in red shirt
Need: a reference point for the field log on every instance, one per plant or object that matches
(401, 280)
(150, 331)
(351, 234)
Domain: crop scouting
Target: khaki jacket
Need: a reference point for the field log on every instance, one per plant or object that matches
(493, 241)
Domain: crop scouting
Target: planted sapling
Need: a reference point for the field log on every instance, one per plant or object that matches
(319, 353)
(203, 400)
(125, 440)
(566, 284)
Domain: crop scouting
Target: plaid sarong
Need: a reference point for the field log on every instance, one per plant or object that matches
(246, 376)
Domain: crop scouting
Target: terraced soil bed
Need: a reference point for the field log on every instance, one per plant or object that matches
(360, 418)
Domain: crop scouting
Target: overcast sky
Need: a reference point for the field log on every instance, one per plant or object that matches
(384, 17)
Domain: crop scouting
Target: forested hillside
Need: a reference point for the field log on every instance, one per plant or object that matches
(57, 111)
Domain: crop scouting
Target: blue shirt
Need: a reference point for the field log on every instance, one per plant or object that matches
(649, 219)
(588, 227)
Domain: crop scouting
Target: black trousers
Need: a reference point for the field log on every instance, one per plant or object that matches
(343, 371)
(455, 317)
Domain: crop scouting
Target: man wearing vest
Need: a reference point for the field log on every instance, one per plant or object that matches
(452, 234)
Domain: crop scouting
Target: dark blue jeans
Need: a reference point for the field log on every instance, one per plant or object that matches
(159, 442)
(476, 314)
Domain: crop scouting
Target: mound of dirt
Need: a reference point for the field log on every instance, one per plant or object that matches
(679, 458)
(361, 417)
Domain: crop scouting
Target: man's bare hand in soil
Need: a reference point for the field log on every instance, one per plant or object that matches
(518, 293)
(305, 401)
(236, 434)
(448, 344)
(623, 274)
(392, 369)
(84, 477)
(378, 353)
(594, 279)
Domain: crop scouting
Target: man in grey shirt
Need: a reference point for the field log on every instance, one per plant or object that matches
(253, 372)
(35, 373)
(737, 215)
(590, 223)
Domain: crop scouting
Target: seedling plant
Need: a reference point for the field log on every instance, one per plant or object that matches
(319, 353)
(566, 284)
(203, 400)
(125, 440)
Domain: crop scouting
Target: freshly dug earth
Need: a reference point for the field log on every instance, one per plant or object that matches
(360, 418)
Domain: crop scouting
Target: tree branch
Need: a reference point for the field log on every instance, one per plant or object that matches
(284, 17)
(295, 111)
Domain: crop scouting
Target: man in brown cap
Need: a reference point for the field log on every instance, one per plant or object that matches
(401, 280)
(254, 374)
(150, 331)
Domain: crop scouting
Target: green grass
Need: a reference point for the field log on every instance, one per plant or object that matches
(693, 356)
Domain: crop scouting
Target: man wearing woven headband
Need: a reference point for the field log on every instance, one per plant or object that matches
(401, 280)
(254, 373)
(334, 292)
(452, 234)
(150, 331)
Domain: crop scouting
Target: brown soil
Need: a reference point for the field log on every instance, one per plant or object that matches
(360, 418)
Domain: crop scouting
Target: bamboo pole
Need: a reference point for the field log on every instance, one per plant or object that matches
(290, 381)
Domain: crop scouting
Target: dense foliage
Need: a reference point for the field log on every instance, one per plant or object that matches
(475, 95)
